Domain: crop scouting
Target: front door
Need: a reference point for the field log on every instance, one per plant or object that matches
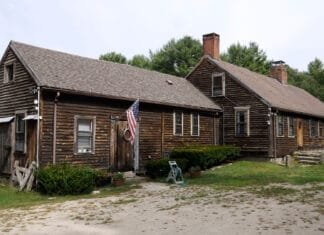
(121, 148)
(300, 134)
(5, 148)
(31, 140)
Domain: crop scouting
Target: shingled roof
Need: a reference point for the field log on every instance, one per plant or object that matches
(58, 70)
(277, 95)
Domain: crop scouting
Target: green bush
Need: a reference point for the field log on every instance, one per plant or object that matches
(66, 179)
(205, 156)
(160, 167)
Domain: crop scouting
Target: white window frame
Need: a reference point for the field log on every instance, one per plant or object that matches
(217, 75)
(174, 123)
(76, 119)
(310, 127)
(24, 112)
(242, 109)
(277, 125)
(288, 124)
(191, 124)
(5, 72)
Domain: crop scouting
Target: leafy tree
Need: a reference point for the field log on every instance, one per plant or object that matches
(177, 57)
(251, 57)
(114, 57)
(316, 69)
(140, 61)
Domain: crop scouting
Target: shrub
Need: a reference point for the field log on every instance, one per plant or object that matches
(160, 167)
(205, 156)
(64, 179)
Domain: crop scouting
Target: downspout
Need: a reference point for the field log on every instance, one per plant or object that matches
(275, 135)
(223, 127)
(38, 127)
(54, 126)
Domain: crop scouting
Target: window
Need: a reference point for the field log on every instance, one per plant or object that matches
(218, 84)
(280, 126)
(291, 127)
(313, 128)
(321, 129)
(195, 124)
(177, 123)
(20, 131)
(9, 73)
(85, 135)
(242, 121)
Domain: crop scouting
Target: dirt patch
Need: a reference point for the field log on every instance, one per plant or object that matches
(163, 209)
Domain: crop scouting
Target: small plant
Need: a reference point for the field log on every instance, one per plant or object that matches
(117, 179)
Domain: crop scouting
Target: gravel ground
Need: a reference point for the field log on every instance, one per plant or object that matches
(159, 208)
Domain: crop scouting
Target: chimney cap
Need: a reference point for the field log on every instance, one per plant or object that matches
(210, 35)
(278, 62)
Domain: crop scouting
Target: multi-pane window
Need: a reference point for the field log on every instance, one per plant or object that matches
(313, 128)
(280, 126)
(218, 84)
(195, 124)
(9, 73)
(20, 131)
(177, 123)
(291, 127)
(85, 135)
(242, 126)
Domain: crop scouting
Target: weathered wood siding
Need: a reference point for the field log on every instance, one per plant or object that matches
(236, 95)
(286, 145)
(156, 129)
(16, 96)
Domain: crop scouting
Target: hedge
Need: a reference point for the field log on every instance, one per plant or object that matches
(66, 179)
(205, 156)
(192, 156)
(160, 167)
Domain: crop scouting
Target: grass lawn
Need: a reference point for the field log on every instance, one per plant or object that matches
(10, 197)
(247, 173)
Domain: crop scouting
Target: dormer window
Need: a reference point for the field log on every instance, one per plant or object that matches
(9, 73)
(218, 84)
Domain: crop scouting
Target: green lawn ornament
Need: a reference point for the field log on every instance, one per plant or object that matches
(175, 174)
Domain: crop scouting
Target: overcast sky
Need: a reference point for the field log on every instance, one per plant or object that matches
(292, 31)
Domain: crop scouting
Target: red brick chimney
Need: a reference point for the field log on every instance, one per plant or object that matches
(278, 71)
(211, 45)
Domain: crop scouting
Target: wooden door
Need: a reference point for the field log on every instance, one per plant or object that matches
(5, 148)
(31, 140)
(121, 149)
(300, 134)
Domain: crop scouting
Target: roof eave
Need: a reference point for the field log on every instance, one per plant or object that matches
(298, 112)
(98, 95)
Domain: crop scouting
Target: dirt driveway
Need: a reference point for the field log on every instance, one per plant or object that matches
(162, 209)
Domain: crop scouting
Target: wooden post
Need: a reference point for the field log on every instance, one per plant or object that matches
(136, 149)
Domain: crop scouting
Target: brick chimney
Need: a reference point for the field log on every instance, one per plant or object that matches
(211, 45)
(278, 71)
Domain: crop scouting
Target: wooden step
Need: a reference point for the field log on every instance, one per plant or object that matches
(312, 162)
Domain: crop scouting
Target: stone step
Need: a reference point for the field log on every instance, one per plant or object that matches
(309, 158)
(304, 161)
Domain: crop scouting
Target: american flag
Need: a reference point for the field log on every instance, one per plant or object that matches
(132, 118)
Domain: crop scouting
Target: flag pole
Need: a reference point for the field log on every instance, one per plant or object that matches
(136, 146)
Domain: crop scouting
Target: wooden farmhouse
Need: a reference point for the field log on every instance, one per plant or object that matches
(263, 115)
(57, 107)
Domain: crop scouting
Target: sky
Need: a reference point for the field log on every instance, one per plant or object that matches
(291, 31)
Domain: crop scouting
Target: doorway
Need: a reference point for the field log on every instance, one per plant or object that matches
(5, 148)
(121, 149)
(300, 134)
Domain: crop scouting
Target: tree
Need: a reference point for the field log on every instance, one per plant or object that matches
(140, 61)
(114, 57)
(177, 57)
(250, 57)
(316, 69)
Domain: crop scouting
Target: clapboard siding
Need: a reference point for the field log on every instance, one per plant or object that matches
(236, 95)
(16, 95)
(156, 129)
